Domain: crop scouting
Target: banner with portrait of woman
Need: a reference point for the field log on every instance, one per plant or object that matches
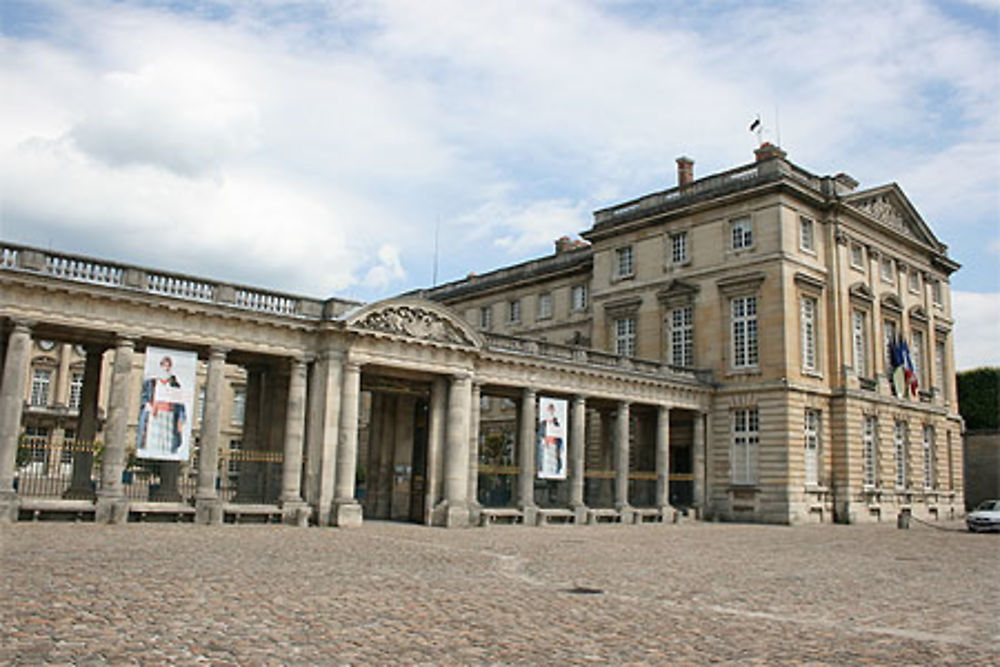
(166, 405)
(551, 450)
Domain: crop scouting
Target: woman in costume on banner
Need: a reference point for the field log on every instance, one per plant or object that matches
(161, 421)
(550, 432)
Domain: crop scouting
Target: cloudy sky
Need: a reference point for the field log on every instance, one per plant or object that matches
(315, 147)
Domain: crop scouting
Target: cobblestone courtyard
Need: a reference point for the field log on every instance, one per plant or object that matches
(392, 593)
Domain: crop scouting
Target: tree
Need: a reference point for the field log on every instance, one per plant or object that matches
(979, 398)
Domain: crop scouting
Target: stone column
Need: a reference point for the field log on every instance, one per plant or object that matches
(347, 511)
(294, 509)
(435, 446)
(474, 418)
(80, 487)
(577, 457)
(322, 435)
(112, 506)
(698, 465)
(663, 460)
(526, 446)
(456, 471)
(15, 379)
(208, 508)
(621, 460)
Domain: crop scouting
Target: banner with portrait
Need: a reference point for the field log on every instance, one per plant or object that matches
(166, 405)
(551, 450)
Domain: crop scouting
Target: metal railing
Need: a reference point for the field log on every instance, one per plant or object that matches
(44, 469)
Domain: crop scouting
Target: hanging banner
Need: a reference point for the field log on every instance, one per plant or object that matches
(167, 404)
(551, 450)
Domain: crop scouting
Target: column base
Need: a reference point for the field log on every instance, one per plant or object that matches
(10, 503)
(529, 514)
(626, 513)
(452, 515)
(208, 511)
(111, 509)
(579, 514)
(295, 513)
(347, 513)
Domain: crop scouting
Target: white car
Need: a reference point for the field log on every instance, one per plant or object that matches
(986, 516)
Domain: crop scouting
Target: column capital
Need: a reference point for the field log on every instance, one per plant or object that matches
(352, 365)
(297, 363)
(461, 376)
(579, 398)
(21, 325)
(126, 339)
(528, 391)
(218, 351)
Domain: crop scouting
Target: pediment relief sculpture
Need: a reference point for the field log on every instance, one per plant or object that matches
(884, 211)
(414, 322)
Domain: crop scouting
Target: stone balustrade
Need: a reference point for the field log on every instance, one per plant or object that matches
(76, 268)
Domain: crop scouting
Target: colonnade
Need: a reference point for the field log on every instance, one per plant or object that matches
(324, 446)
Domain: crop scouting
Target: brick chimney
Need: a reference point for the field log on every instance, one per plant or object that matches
(767, 151)
(685, 171)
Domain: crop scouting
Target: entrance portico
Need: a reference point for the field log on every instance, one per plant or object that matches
(387, 411)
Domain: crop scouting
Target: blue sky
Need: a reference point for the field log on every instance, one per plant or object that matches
(315, 146)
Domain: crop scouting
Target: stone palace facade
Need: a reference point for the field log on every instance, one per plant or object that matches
(723, 347)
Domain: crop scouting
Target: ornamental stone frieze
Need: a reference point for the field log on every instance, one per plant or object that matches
(884, 211)
(414, 321)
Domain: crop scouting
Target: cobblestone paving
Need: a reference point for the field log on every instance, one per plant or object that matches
(402, 594)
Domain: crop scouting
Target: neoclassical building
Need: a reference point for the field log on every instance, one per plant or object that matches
(730, 348)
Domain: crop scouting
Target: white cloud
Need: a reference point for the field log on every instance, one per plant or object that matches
(977, 329)
(290, 144)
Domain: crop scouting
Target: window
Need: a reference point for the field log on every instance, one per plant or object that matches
(578, 297)
(624, 262)
(625, 336)
(41, 380)
(679, 248)
(484, 403)
(937, 293)
(201, 404)
(682, 336)
(746, 438)
(917, 357)
(46, 345)
(486, 318)
(75, 391)
(239, 405)
(545, 306)
(914, 281)
(741, 234)
(859, 339)
(857, 256)
(808, 322)
(887, 270)
(744, 323)
(930, 479)
(939, 379)
(870, 446)
(812, 447)
(899, 443)
(889, 335)
(514, 310)
(807, 239)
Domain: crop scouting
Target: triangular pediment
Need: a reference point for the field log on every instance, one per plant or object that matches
(678, 290)
(415, 318)
(890, 207)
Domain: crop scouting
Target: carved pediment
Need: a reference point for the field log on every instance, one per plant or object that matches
(883, 210)
(862, 291)
(414, 320)
(892, 302)
(888, 205)
(677, 291)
